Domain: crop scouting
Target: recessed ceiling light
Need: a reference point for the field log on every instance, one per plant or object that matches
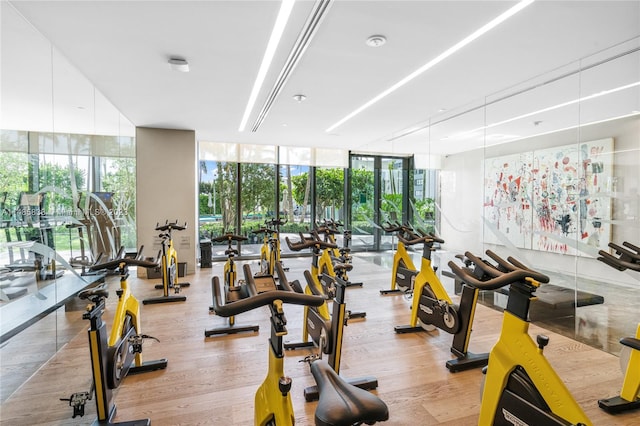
(376, 41)
(299, 98)
(179, 64)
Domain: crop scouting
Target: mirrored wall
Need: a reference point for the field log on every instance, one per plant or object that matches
(67, 196)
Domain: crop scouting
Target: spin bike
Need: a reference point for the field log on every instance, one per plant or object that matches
(340, 256)
(270, 250)
(169, 266)
(321, 263)
(627, 257)
(521, 387)
(432, 307)
(340, 403)
(234, 290)
(326, 334)
(403, 271)
(121, 355)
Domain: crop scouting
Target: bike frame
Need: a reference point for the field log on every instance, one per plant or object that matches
(426, 276)
(128, 305)
(516, 347)
(270, 404)
(401, 255)
(169, 263)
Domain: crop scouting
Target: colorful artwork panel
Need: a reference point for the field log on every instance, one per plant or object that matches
(572, 209)
(507, 200)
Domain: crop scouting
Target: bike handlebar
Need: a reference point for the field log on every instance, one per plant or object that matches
(170, 226)
(276, 222)
(426, 238)
(627, 259)
(499, 278)
(512, 264)
(262, 231)
(229, 237)
(315, 241)
(112, 264)
(258, 300)
(499, 281)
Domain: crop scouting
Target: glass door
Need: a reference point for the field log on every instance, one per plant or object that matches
(378, 189)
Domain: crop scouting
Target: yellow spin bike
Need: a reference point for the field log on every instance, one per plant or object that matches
(270, 250)
(119, 355)
(521, 387)
(402, 275)
(234, 289)
(628, 257)
(169, 266)
(339, 403)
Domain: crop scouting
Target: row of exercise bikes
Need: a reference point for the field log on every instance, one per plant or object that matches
(520, 386)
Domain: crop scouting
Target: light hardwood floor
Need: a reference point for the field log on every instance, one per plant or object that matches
(213, 380)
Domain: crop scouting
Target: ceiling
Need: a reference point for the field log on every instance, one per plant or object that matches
(122, 48)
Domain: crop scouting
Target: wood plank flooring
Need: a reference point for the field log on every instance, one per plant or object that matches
(211, 381)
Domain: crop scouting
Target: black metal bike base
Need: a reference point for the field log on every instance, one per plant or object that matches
(395, 291)
(160, 286)
(618, 404)
(164, 299)
(402, 329)
(234, 329)
(159, 364)
(468, 362)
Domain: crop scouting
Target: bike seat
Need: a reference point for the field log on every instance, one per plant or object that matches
(341, 403)
(631, 342)
(99, 291)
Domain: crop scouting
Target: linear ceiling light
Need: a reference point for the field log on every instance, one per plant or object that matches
(450, 51)
(274, 40)
(551, 108)
(304, 39)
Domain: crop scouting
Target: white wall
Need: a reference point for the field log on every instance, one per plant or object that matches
(166, 189)
(462, 196)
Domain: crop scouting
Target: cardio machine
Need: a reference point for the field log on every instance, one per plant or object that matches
(432, 307)
(340, 403)
(340, 256)
(403, 270)
(270, 249)
(326, 334)
(627, 257)
(521, 387)
(234, 290)
(119, 355)
(321, 263)
(169, 266)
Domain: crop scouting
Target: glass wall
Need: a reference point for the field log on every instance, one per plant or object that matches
(280, 183)
(554, 182)
(67, 194)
